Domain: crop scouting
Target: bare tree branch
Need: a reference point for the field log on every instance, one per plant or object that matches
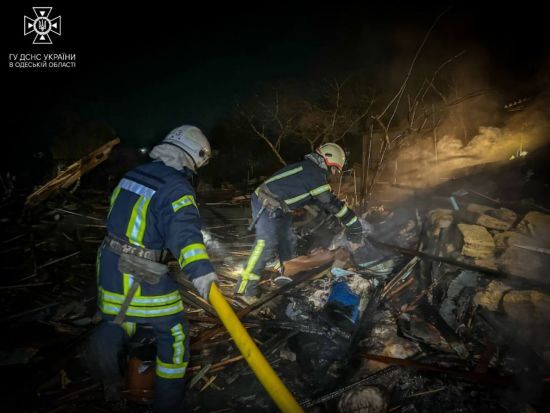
(261, 134)
(355, 121)
(399, 93)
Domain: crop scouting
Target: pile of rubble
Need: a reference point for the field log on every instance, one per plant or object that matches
(441, 310)
(437, 321)
(515, 247)
(495, 238)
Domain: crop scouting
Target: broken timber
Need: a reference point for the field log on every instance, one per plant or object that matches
(466, 375)
(518, 281)
(299, 279)
(72, 174)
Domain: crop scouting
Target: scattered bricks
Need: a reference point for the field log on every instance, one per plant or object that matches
(527, 306)
(487, 221)
(500, 219)
(439, 219)
(537, 225)
(524, 263)
(504, 214)
(479, 209)
(491, 297)
(507, 239)
(490, 222)
(488, 262)
(477, 242)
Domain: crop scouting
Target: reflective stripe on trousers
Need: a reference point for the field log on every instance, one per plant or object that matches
(273, 236)
(248, 274)
(108, 342)
(141, 306)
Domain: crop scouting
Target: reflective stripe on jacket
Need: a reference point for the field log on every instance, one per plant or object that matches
(154, 207)
(304, 182)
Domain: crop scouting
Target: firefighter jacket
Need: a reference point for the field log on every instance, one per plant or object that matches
(306, 182)
(152, 207)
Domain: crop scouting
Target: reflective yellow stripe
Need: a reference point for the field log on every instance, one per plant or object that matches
(184, 201)
(127, 281)
(254, 257)
(297, 198)
(313, 192)
(192, 253)
(250, 276)
(245, 278)
(342, 212)
(169, 370)
(320, 190)
(137, 223)
(141, 301)
(142, 221)
(247, 275)
(242, 286)
(140, 306)
(351, 221)
(284, 174)
(114, 196)
(130, 328)
(179, 350)
(147, 312)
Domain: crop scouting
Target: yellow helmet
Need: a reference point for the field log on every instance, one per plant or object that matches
(333, 155)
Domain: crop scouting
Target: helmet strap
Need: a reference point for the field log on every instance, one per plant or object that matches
(195, 181)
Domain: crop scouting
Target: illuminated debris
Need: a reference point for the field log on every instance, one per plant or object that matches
(527, 306)
(478, 243)
(439, 219)
(525, 263)
(537, 225)
(72, 173)
(308, 262)
(500, 219)
(491, 296)
(417, 329)
(374, 260)
(506, 239)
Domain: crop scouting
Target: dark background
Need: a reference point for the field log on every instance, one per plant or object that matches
(145, 69)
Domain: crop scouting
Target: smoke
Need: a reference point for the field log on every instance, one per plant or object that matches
(509, 117)
(427, 161)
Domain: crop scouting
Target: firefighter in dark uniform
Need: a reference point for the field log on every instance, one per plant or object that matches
(152, 210)
(290, 188)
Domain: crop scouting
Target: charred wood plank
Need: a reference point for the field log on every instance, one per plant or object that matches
(514, 280)
(71, 174)
(467, 375)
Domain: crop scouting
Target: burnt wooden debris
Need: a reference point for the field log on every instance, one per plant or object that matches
(451, 309)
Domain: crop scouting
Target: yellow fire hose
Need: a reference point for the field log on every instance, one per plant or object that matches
(262, 369)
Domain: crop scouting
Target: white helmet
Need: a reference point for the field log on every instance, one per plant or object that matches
(192, 141)
(333, 155)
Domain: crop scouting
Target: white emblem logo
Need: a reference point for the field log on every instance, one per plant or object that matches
(42, 25)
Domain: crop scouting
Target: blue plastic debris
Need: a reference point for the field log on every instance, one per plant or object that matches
(343, 301)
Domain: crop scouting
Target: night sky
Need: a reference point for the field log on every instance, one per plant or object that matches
(146, 69)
